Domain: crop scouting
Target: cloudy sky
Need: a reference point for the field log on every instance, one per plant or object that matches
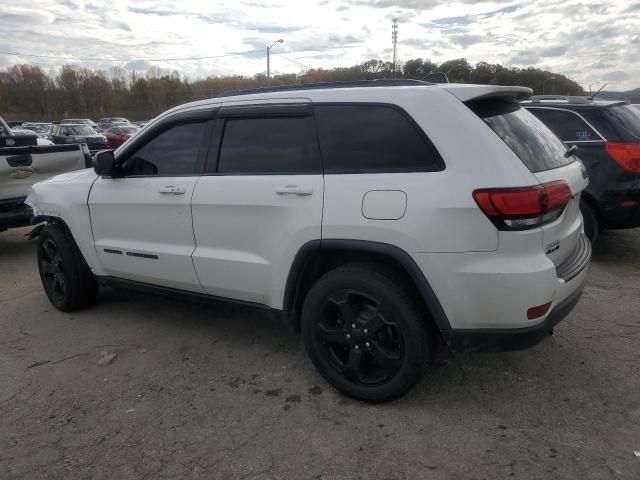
(590, 41)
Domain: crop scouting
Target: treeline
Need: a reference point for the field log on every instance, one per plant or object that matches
(29, 93)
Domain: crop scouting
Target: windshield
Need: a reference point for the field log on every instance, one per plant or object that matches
(626, 117)
(42, 130)
(68, 130)
(537, 146)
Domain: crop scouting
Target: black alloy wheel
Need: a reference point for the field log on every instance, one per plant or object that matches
(357, 340)
(53, 276)
(65, 275)
(365, 333)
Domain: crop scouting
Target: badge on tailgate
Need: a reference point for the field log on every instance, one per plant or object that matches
(552, 247)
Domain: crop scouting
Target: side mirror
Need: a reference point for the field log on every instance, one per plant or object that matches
(104, 163)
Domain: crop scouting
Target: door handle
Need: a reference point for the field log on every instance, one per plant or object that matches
(294, 190)
(173, 189)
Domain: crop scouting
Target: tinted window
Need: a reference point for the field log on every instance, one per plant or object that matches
(172, 152)
(567, 125)
(269, 145)
(626, 118)
(536, 145)
(372, 138)
(77, 130)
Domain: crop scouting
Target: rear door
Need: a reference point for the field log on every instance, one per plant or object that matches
(259, 201)
(141, 221)
(546, 157)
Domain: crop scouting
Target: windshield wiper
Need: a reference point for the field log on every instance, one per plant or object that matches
(571, 151)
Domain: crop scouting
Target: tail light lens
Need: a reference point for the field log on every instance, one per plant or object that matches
(627, 155)
(522, 208)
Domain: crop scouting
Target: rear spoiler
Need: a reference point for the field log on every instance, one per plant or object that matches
(466, 92)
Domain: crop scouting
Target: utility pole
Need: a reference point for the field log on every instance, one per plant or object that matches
(280, 40)
(394, 37)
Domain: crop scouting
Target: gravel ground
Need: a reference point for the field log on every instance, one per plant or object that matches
(207, 390)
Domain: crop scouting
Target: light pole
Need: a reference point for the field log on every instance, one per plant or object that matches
(545, 81)
(280, 40)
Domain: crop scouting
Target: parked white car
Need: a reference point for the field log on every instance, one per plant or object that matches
(378, 217)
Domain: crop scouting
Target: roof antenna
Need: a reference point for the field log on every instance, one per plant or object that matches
(598, 91)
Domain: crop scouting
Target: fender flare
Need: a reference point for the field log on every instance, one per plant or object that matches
(399, 255)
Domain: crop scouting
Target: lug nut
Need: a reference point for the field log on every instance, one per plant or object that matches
(367, 344)
(366, 331)
(348, 336)
(357, 347)
(353, 325)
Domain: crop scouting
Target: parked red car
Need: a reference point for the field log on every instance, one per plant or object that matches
(116, 136)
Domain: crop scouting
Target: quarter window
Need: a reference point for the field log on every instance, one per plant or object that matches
(372, 138)
(173, 152)
(269, 145)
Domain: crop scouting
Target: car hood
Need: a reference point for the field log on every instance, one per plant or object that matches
(77, 176)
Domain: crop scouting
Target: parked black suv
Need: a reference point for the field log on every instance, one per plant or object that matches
(78, 133)
(607, 135)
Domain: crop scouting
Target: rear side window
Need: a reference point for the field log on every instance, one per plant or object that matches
(566, 125)
(372, 138)
(536, 145)
(269, 146)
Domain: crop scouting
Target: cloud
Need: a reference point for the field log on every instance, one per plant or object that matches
(525, 57)
(616, 76)
(137, 66)
(466, 40)
(587, 39)
(463, 20)
(556, 51)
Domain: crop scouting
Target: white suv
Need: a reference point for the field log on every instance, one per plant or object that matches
(378, 217)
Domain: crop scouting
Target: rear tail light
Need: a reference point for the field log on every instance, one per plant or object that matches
(521, 208)
(627, 155)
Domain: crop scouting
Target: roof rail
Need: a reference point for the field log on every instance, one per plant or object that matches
(560, 98)
(325, 85)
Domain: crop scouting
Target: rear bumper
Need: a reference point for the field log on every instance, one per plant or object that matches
(485, 295)
(14, 213)
(620, 208)
(621, 217)
(510, 339)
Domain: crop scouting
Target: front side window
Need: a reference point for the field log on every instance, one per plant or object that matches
(269, 145)
(566, 125)
(372, 138)
(173, 152)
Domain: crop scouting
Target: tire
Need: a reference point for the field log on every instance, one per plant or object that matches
(65, 276)
(590, 220)
(391, 346)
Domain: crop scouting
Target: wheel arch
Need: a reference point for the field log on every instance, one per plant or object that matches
(42, 220)
(317, 257)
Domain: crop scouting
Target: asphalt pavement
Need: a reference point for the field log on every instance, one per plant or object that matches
(148, 387)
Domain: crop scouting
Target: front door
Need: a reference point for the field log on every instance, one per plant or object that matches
(259, 201)
(141, 221)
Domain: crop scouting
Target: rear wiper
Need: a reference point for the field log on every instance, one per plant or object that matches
(572, 150)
